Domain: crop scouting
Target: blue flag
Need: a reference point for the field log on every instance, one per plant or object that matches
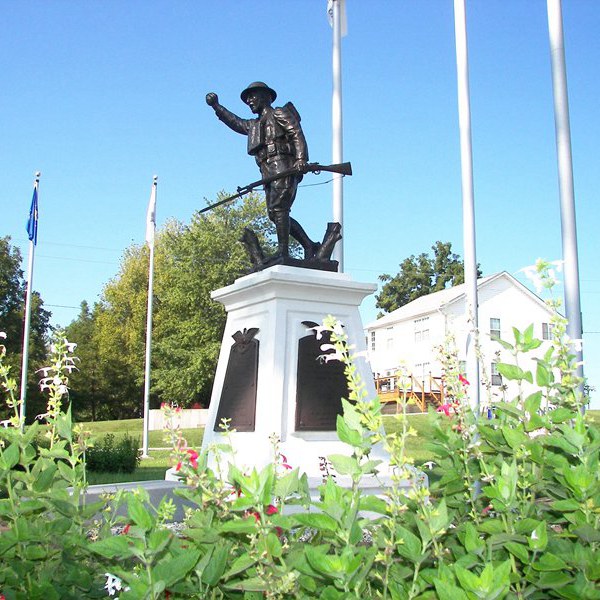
(32, 222)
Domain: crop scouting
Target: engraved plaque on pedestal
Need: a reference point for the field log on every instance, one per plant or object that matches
(321, 385)
(238, 396)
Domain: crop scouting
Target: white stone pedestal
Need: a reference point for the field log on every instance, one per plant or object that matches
(277, 301)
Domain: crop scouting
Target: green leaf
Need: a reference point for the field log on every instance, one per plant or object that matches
(45, 479)
(252, 584)
(549, 562)
(568, 505)
(346, 434)
(513, 372)
(274, 545)
(515, 438)
(216, 567)
(409, 545)
(472, 542)
(345, 465)
(327, 564)
(372, 503)
(552, 580)
(587, 533)
(519, 551)
(561, 414)
(532, 402)
(468, 581)
(9, 457)
(115, 546)
(543, 375)
(247, 525)
(287, 484)
(138, 513)
(242, 563)
(538, 539)
(317, 520)
(448, 591)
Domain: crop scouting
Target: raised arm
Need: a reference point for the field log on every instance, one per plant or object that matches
(232, 121)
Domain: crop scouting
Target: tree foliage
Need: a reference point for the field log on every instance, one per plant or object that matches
(190, 262)
(12, 310)
(421, 275)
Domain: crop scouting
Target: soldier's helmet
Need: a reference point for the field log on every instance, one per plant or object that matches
(257, 85)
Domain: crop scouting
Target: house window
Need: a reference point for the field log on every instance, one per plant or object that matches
(496, 377)
(421, 329)
(495, 328)
(373, 340)
(390, 338)
(547, 333)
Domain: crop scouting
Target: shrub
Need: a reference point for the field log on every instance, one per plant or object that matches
(514, 511)
(120, 456)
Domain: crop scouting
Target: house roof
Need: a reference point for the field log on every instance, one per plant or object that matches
(439, 300)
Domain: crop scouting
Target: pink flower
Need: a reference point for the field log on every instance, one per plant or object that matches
(193, 457)
(463, 380)
(271, 510)
(446, 409)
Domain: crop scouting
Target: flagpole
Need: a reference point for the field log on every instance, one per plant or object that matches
(466, 156)
(565, 179)
(337, 131)
(27, 325)
(150, 227)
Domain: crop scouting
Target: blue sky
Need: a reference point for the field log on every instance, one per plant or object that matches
(100, 96)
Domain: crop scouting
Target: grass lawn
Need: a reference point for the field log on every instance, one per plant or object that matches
(155, 466)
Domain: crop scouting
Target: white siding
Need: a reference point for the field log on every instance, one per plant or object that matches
(499, 297)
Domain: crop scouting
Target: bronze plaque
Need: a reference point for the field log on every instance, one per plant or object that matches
(238, 396)
(320, 385)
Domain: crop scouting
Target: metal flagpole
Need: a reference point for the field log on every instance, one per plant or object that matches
(32, 231)
(466, 156)
(150, 230)
(335, 9)
(565, 179)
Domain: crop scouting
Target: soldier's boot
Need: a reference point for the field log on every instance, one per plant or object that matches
(298, 233)
(282, 227)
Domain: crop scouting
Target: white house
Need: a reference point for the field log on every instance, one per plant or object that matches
(410, 335)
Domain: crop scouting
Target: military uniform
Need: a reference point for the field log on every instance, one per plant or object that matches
(277, 142)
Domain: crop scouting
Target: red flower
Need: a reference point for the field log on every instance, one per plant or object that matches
(463, 380)
(178, 467)
(446, 409)
(124, 532)
(271, 510)
(193, 457)
(167, 595)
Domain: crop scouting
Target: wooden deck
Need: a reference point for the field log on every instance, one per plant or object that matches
(422, 392)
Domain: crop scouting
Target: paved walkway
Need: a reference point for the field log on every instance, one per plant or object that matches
(157, 490)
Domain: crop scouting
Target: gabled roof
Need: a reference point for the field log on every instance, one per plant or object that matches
(439, 300)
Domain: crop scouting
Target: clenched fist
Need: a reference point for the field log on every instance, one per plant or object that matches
(212, 99)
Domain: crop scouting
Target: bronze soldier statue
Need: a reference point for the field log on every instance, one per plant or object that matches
(276, 141)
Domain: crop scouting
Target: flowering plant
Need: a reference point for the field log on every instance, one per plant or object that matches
(512, 509)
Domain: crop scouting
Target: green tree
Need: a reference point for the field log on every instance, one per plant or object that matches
(195, 260)
(190, 262)
(421, 275)
(12, 308)
(87, 382)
